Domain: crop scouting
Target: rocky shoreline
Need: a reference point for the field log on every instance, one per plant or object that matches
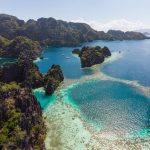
(21, 123)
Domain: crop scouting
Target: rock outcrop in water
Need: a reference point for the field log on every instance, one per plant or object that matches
(90, 56)
(52, 32)
(52, 79)
(21, 122)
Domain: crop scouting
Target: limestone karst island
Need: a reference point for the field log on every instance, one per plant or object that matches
(74, 75)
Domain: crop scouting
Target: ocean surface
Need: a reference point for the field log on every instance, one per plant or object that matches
(133, 66)
(106, 106)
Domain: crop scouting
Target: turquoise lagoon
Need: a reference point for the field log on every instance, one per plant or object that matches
(115, 108)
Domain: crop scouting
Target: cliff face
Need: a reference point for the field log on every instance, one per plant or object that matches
(21, 123)
(24, 72)
(27, 74)
(14, 48)
(49, 31)
(52, 79)
(90, 56)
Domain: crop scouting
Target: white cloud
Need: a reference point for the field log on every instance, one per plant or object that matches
(121, 24)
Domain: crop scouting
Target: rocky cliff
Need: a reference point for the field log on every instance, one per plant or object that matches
(21, 123)
(24, 72)
(14, 48)
(27, 74)
(52, 79)
(49, 31)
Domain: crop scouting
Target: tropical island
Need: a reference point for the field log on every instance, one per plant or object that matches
(90, 56)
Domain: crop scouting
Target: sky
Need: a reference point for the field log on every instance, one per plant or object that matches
(100, 14)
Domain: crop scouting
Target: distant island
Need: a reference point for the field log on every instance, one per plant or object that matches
(52, 32)
(90, 56)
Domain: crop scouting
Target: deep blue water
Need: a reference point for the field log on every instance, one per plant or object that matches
(133, 66)
(70, 66)
(116, 107)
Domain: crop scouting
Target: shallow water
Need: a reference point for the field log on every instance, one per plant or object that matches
(44, 100)
(117, 108)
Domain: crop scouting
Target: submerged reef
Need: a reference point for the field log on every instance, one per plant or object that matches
(90, 56)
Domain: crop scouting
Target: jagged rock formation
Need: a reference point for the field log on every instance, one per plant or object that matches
(49, 31)
(21, 122)
(90, 56)
(13, 48)
(27, 74)
(52, 79)
(24, 72)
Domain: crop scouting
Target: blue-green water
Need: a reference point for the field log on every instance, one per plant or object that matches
(133, 66)
(3, 60)
(116, 107)
(43, 99)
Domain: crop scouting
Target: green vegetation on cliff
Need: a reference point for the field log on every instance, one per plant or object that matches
(21, 122)
(13, 48)
(90, 56)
